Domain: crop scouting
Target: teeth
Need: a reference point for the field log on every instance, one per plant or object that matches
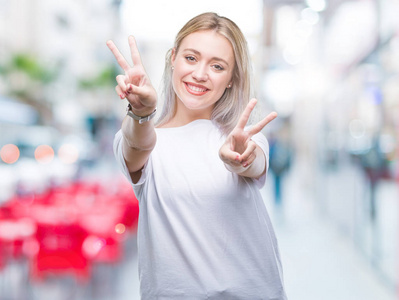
(196, 89)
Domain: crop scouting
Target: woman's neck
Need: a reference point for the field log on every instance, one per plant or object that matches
(183, 116)
(178, 122)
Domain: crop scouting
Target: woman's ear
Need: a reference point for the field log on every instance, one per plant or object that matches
(173, 56)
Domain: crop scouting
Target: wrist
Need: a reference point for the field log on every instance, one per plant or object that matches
(141, 116)
(141, 112)
(238, 169)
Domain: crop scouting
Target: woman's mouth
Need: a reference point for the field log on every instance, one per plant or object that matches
(196, 89)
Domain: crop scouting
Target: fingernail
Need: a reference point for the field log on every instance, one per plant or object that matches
(121, 96)
(245, 165)
(237, 158)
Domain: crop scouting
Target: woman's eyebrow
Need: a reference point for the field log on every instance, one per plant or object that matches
(213, 58)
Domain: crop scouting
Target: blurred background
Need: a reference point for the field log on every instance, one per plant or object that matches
(330, 68)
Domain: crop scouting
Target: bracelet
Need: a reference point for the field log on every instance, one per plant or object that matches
(138, 118)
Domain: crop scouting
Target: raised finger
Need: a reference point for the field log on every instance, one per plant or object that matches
(261, 124)
(118, 55)
(120, 79)
(134, 51)
(242, 122)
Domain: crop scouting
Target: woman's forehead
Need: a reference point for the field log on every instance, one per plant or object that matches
(208, 42)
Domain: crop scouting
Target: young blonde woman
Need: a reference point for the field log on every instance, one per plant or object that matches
(204, 232)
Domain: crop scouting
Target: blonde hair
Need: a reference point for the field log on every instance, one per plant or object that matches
(229, 107)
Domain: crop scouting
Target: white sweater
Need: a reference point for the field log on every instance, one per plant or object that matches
(203, 232)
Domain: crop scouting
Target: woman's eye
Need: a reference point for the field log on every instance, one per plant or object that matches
(218, 67)
(190, 58)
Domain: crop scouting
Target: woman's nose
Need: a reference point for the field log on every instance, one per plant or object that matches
(200, 73)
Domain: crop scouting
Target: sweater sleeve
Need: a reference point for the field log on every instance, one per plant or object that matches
(118, 152)
(262, 142)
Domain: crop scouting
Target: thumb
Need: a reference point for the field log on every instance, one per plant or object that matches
(142, 92)
(132, 89)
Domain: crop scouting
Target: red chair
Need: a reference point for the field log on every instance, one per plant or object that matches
(60, 252)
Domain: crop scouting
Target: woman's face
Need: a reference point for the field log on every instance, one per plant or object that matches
(203, 69)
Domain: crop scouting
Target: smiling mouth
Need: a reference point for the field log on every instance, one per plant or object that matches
(195, 89)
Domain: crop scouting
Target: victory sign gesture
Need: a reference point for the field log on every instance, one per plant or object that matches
(239, 151)
(134, 85)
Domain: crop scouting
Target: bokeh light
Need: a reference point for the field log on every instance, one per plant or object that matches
(92, 245)
(44, 154)
(357, 128)
(68, 153)
(309, 15)
(9, 153)
(120, 228)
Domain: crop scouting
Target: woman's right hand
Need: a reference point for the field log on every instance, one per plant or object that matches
(135, 84)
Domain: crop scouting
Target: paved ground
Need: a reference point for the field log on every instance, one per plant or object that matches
(321, 261)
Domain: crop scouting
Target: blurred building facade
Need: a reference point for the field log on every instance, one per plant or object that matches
(331, 70)
(66, 41)
(56, 86)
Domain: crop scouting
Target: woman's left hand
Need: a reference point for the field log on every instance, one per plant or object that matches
(238, 151)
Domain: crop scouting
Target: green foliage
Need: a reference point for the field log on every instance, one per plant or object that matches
(105, 78)
(30, 65)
